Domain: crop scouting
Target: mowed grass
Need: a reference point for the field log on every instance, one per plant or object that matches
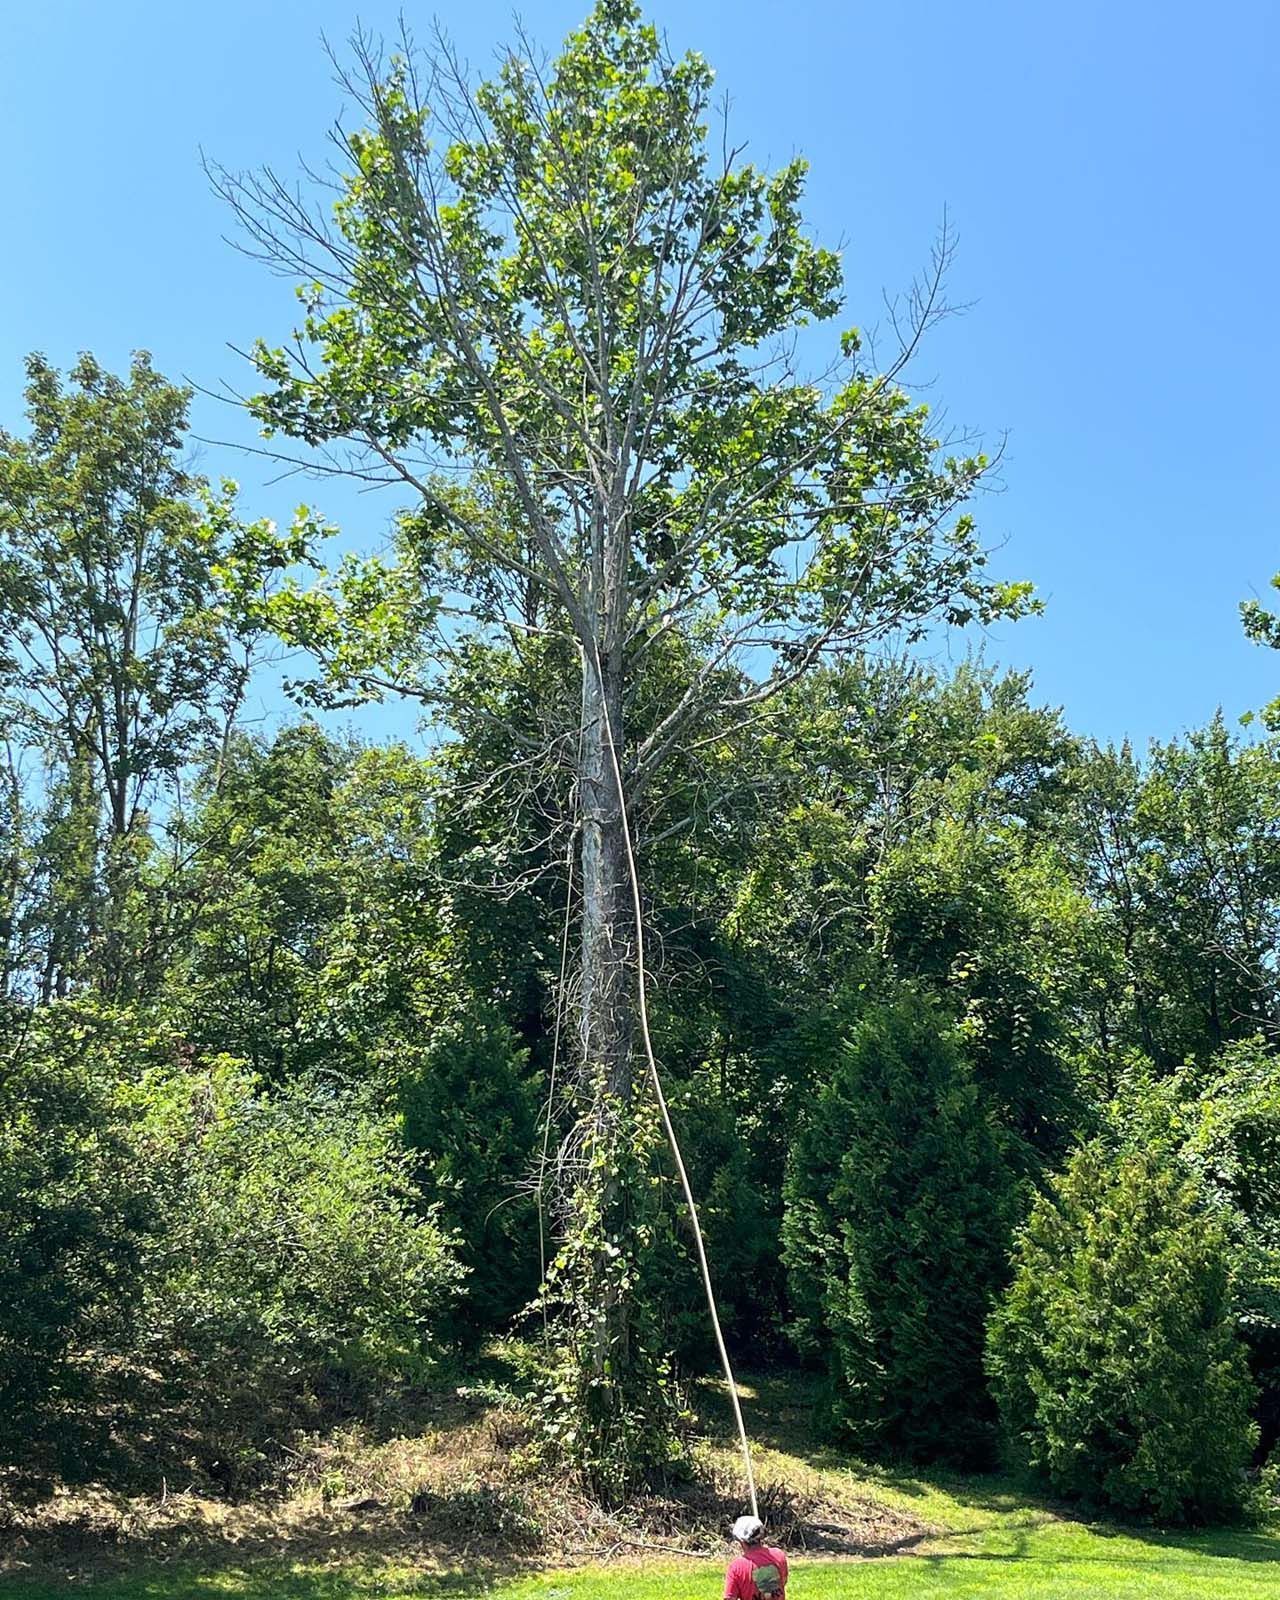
(1066, 1562)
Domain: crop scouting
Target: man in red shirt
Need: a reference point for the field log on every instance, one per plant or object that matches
(758, 1571)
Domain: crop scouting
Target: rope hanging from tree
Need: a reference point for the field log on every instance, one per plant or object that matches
(642, 988)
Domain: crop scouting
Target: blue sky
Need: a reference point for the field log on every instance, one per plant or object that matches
(1111, 169)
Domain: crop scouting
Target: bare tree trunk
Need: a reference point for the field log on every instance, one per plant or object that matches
(606, 1007)
(11, 874)
(606, 1004)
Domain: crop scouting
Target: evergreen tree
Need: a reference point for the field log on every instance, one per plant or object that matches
(469, 1110)
(898, 1210)
(1113, 1355)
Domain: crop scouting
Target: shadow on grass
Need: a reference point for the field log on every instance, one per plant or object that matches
(310, 1575)
(784, 1413)
(1237, 1544)
(262, 1578)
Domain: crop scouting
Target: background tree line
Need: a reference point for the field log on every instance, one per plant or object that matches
(319, 1056)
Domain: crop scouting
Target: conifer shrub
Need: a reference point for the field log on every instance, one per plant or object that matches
(469, 1111)
(1113, 1355)
(899, 1209)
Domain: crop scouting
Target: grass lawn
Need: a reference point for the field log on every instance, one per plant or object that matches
(1057, 1562)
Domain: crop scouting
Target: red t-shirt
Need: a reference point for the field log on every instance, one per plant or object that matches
(739, 1581)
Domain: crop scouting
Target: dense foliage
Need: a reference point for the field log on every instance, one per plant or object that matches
(77, 1217)
(1114, 1357)
(294, 1275)
(318, 1058)
(192, 1266)
(898, 1205)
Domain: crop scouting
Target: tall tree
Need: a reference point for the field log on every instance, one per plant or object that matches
(1182, 856)
(122, 578)
(566, 317)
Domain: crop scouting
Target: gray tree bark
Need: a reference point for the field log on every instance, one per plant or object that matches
(607, 937)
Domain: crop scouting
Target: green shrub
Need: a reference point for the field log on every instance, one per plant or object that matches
(1220, 1120)
(75, 1214)
(1113, 1356)
(294, 1272)
(898, 1214)
(1232, 1145)
(469, 1115)
(192, 1268)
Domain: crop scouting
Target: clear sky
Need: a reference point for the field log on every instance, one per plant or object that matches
(1111, 167)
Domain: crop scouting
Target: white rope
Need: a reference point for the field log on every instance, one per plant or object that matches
(642, 984)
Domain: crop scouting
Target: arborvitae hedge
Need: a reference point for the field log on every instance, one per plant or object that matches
(1113, 1356)
(898, 1214)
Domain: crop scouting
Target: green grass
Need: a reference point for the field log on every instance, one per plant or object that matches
(1055, 1562)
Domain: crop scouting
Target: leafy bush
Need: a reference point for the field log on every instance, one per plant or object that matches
(76, 1211)
(1113, 1356)
(898, 1213)
(190, 1266)
(294, 1273)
